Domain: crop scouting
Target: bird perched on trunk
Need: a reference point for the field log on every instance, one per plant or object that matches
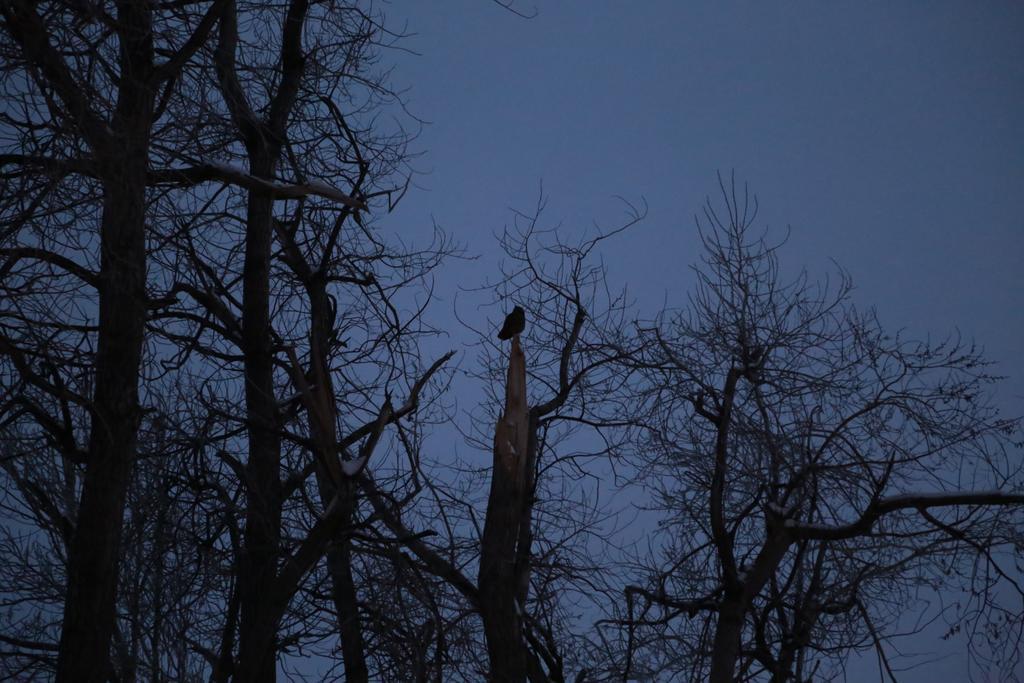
(515, 322)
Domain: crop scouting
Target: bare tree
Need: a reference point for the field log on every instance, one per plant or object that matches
(561, 387)
(86, 81)
(528, 558)
(813, 472)
(217, 320)
(214, 412)
(290, 294)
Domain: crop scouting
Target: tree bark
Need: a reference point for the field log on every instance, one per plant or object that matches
(260, 599)
(93, 558)
(259, 615)
(95, 548)
(738, 595)
(346, 603)
(500, 586)
(726, 646)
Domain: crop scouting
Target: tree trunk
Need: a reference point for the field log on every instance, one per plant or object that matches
(733, 609)
(261, 605)
(321, 411)
(726, 648)
(346, 603)
(330, 481)
(93, 558)
(499, 581)
(262, 536)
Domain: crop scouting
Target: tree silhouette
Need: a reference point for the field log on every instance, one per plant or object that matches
(813, 472)
(219, 435)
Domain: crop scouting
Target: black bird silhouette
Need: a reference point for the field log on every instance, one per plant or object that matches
(515, 322)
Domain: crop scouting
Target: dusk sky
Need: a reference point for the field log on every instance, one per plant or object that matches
(888, 136)
(256, 422)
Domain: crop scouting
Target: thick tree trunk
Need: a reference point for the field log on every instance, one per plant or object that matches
(262, 536)
(732, 611)
(93, 558)
(726, 647)
(95, 547)
(500, 585)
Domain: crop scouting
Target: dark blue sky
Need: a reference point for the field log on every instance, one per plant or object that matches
(890, 136)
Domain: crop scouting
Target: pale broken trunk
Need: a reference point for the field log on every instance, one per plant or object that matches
(508, 510)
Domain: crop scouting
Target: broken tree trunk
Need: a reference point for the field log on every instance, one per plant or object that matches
(508, 511)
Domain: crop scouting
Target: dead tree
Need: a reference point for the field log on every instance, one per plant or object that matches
(533, 537)
(502, 575)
